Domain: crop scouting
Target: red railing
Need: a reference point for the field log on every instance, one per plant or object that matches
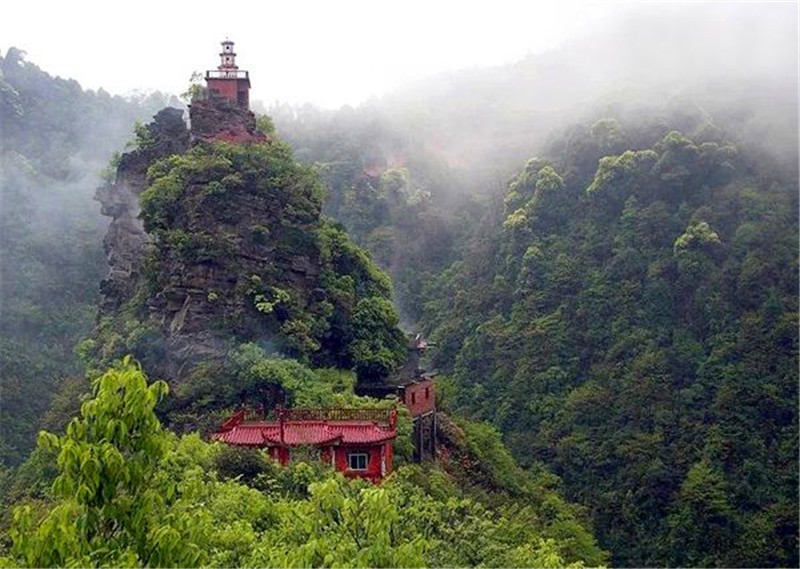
(380, 416)
(335, 414)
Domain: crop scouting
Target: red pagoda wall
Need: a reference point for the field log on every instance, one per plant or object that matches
(244, 94)
(223, 87)
(235, 90)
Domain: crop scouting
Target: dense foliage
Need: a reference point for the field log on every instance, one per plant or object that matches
(632, 322)
(56, 139)
(129, 493)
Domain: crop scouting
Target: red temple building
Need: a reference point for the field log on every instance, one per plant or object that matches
(358, 442)
(227, 80)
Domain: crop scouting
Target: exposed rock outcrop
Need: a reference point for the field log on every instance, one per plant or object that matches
(217, 118)
(126, 240)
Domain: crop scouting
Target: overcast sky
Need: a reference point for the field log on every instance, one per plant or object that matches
(322, 51)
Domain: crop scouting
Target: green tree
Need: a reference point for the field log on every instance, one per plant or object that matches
(110, 509)
(702, 526)
(378, 345)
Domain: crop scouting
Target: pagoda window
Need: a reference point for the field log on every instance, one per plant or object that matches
(357, 460)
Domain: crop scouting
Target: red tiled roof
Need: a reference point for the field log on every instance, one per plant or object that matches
(296, 433)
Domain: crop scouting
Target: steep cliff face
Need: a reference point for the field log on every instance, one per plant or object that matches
(232, 252)
(217, 239)
(126, 240)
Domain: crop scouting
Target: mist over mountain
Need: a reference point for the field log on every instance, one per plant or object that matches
(738, 63)
(517, 281)
(458, 136)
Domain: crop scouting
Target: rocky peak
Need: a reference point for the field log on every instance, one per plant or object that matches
(223, 243)
(216, 118)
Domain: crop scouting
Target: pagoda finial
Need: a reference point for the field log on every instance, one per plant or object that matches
(228, 56)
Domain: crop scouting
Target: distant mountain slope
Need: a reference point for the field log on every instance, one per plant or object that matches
(56, 139)
(631, 320)
(738, 59)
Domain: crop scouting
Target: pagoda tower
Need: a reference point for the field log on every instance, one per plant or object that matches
(227, 80)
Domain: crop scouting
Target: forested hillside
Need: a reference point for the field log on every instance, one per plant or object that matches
(56, 141)
(229, 248)
(624, 309)
(632, 322)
